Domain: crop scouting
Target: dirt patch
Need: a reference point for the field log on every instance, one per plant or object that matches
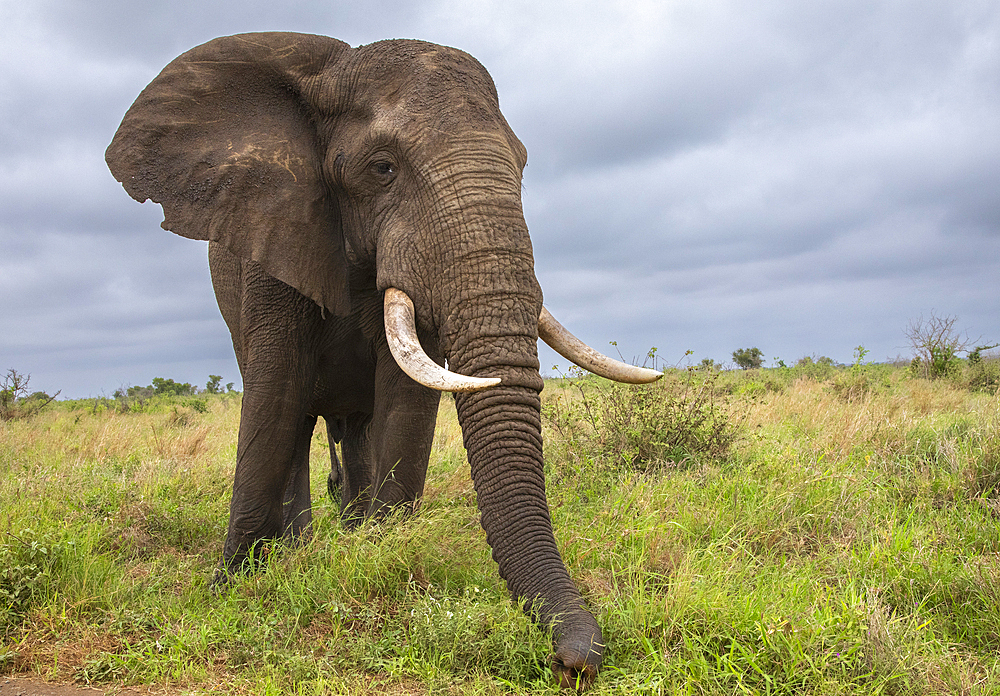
(34, 686)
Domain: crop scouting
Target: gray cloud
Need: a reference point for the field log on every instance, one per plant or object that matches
(801, 177)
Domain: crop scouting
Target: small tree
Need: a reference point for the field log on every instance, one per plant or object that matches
(13, 388)
(213, 386)
(859, 355)
(748, 358)
(936, 344)
(169, 387)
(15, 401)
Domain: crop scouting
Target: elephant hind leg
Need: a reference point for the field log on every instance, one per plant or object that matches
(334, 434)
(297, 504)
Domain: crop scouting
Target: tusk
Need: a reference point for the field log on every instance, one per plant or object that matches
(578, 352)
(401, 331)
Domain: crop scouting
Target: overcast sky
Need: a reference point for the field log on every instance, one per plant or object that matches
(804, 177)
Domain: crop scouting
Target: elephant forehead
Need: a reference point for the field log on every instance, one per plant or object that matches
(405, 123)
(447, 88)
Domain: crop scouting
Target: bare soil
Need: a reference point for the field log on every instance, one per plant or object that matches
(31, 685)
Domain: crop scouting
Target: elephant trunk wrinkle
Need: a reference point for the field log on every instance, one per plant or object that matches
(502, 434)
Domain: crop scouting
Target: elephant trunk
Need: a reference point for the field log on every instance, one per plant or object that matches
(485, 303)
(501, 427)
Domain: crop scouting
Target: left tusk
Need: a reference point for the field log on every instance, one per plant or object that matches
(401, 332)
(579, 353)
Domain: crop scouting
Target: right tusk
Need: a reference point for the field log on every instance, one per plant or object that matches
(401, 331)
(579, 353)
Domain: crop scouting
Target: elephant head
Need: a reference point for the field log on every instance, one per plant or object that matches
(383, 184)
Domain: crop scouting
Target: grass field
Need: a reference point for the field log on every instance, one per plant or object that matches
(783, 531)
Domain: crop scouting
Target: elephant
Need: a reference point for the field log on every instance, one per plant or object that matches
(368, 250)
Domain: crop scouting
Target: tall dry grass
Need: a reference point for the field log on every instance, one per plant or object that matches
(846, 542)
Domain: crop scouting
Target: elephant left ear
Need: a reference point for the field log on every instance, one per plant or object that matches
(225, 139)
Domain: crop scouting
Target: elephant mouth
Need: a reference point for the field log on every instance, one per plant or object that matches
(401, 333)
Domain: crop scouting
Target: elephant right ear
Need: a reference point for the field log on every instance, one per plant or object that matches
(225, 139)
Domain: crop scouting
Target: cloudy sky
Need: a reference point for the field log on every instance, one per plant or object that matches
(804, 177)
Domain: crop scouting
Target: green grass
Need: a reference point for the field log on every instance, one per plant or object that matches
(844, 542)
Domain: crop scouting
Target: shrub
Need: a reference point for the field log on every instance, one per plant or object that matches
(169, 386)
(15, 402)
(976, 354)
(936, 345)
(748, 358)
(818, 369)
(861, 381)
(132, 399)
(983, 374)
(27, 562)
(754, 383)
(674, 421)
(198, 405)
(135, 399)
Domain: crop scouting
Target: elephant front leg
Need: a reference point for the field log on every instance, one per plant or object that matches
(271, 459)
(356, 469)
(275, 332)
(264, 471)
(402, 435)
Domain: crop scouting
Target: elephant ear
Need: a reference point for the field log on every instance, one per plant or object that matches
(225, 139)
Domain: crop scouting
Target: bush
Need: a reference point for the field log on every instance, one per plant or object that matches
(674, 421)
(135, 399)
(936, 345)
(748, 358)
(27, 562)
(983, 374)
(671, 421)
(861, 381)
(15, 402)
(169, 386)
(755, 383)
(132, 399)
(817, 369)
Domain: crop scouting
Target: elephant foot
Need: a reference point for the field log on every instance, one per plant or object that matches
(295, 537)
(333, 484)
(240, 563)
(298, 526)
(353, 515)
(221, 579)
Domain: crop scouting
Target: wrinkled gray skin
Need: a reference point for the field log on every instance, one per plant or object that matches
(322, 175)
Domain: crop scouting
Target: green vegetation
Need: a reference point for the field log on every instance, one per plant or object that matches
(748, 358)
(15, 401)
(214, 385)
(937, 346)
(813, 529)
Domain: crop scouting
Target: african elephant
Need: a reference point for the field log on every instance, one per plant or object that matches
(363, 213)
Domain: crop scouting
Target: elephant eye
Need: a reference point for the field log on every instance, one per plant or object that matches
(385, 170)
